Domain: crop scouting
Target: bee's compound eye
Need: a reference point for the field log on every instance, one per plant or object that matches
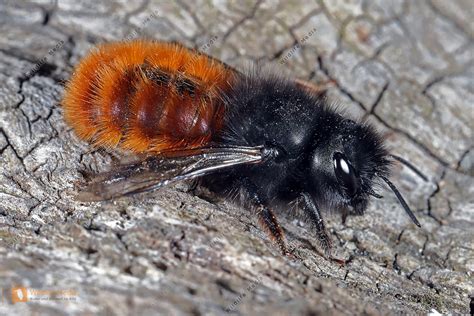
(345, 174)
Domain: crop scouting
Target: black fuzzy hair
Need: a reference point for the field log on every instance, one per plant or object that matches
(270, 110)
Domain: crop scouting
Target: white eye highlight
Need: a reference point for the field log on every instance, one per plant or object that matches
(345, 166)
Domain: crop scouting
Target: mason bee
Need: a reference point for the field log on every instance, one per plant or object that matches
(192, 116)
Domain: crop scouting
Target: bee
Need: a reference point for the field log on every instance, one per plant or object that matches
(273, 140)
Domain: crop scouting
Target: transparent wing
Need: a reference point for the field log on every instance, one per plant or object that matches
(155, 172)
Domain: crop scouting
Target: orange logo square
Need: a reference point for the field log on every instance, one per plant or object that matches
(19, 294)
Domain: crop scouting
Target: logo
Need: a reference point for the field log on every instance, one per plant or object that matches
(19, 294)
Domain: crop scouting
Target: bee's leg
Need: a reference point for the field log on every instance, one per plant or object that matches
(269, 222)
(266, 217)
(312, 211)
(344, 216)
(316, 88)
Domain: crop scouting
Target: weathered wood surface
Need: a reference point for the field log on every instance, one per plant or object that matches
(408, 65)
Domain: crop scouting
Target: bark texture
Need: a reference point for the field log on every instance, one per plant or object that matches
(406, 65)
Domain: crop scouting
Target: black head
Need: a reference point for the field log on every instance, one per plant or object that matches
(347, 161)
(347, 158)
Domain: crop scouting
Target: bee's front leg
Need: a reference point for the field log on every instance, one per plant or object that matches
(314, 214)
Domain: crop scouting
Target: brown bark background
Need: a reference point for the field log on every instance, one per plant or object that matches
(407, 65)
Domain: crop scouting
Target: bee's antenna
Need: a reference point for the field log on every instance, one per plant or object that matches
(402, 200)
(411, 166)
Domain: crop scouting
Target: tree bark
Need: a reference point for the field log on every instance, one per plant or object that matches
(406, 66)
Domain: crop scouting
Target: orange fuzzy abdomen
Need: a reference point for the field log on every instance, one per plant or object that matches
(147, 96)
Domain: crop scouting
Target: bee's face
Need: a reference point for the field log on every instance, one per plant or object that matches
(336, 183)
(343, 167)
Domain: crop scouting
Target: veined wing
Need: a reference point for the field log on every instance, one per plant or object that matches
(157, 171)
